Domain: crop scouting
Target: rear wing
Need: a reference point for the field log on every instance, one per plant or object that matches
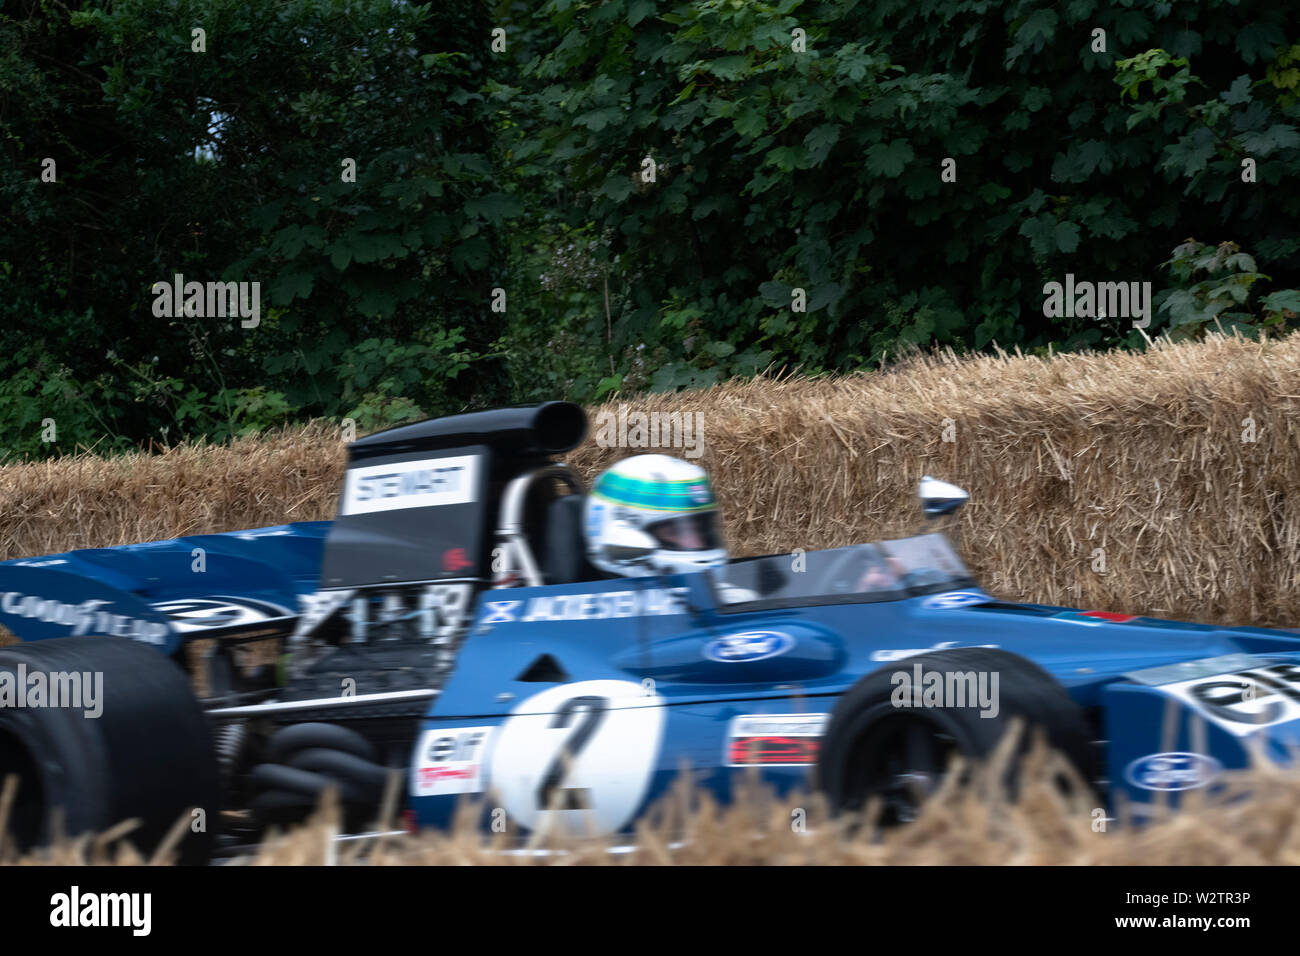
(166, 592)
(417, 506)
(419, 501)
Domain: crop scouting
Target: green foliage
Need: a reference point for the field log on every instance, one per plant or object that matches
(821, 171)
(1226, 298)
(228, 165)
(653, 185)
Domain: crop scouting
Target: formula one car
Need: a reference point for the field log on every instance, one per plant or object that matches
(448, 625)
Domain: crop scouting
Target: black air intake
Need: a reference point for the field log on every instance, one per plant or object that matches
(525, 431)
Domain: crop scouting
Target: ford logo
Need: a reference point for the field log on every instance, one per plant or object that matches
(951, 599)
(1173, 771)
(749, 646)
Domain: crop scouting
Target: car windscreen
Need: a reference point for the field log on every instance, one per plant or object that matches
(864, 572)
(927, 560)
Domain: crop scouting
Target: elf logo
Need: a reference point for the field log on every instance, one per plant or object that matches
(450, 761)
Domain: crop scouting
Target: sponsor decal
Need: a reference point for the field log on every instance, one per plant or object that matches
(1244, 701)
(749, 646)
(1173, 771)
(951, 599)
(455, 559)
(450, 760)
(774, 740)
(1094, 618)
(409, 484)
(584, 607)
(315, 608)
(200, 614)
(445, 607)
(88, 617)
(897, 654)
(1110, 616)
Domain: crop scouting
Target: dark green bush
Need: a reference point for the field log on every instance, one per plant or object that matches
(782, 174)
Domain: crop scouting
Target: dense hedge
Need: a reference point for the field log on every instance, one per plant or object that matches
(794, 146)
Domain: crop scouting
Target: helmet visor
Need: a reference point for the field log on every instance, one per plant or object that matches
(689, 532)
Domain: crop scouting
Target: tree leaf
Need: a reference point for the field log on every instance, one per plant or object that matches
(890, 159)
(494, 207)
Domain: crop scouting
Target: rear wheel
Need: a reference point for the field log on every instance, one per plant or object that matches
(133, 744)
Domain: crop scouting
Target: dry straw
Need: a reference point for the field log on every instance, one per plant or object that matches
(1138, 463)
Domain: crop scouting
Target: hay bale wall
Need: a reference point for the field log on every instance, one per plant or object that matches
(1158, 482)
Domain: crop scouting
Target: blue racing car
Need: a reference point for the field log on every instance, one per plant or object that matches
(456, 624)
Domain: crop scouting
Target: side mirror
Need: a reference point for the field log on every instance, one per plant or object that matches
(939, 498)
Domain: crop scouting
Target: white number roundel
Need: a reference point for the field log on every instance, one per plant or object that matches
(579, 756)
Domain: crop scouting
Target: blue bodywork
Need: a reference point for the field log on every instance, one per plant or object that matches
(604, 690)
(707, 704)
(164, 592)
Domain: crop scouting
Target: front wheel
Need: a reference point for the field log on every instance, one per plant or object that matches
(879, 743)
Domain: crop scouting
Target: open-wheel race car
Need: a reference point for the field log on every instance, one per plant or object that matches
(449, 625)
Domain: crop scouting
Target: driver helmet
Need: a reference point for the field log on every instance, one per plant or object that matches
(653, 503)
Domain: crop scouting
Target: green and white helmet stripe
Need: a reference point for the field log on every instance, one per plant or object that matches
(684, 495)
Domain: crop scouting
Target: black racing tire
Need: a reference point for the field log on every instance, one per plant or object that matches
(872, 747)
(308, 785)
(289, 740)
(147, 755)
(344, 766)
(290, 800)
